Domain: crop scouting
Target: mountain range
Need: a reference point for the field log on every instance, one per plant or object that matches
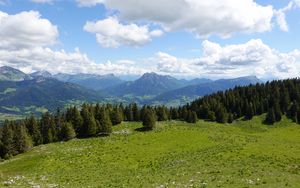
(20, 92)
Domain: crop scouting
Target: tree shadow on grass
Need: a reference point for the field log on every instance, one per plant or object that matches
(143, 129)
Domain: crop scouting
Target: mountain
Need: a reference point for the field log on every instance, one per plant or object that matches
(11, 74)
(195, 91)
(90, 81)
(41, 92)
(44, 74)
(196, 81)
(148, 84)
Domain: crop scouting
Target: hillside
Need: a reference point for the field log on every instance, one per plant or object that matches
(194, 91)
(90, 81)
(175, 154)
(41, 92)
(11, 74)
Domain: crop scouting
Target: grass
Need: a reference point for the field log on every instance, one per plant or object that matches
(175, 154)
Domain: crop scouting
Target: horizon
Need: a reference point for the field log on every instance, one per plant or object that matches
(245, 38)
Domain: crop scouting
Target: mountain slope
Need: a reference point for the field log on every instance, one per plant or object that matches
(95, 82)
(194, 91)
(148, 84)
(11, 74)
(42, 92)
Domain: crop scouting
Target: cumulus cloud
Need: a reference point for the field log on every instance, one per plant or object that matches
(110, 33)
(203, 18)
(25, 30)
(39, 58)
(251, 58)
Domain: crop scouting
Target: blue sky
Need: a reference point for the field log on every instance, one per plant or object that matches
(180, 46)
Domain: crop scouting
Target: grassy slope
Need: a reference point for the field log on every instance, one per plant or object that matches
(176, 154)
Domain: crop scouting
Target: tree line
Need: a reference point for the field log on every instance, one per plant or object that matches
(275, 98)
(86, 121)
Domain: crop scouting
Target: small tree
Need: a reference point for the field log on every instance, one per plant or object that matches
(67, 131)
(149, 118)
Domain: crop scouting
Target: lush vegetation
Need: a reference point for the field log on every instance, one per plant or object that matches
(276, 99)
(174, 154)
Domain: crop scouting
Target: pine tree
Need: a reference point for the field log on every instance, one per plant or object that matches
(7, 141)
(74, 117)
(230, 118)
(211, 116)
(277, 112)
(105, 123)
(270, 118)
(67, 131)
(135, 112)
(221, 116)
(89, 126)
(47, 127)
(149, 119)
(116, 116)
(161, 114)
(192, 117)
(34, 130)
(22, 141)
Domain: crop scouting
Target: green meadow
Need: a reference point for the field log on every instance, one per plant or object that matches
(174, 154)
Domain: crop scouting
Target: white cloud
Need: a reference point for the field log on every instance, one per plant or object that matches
(26, 29)
(281, 14)
(39, 58)
(42, 1)
(203, 18)
(110, 33)
(251, 58)
(88, 3)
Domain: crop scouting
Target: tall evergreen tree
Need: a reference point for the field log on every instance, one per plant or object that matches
(105, 123)
(149, 118)
(34, 130)
(7, 141)
(89, 126)
(67, 131)
(270, 118)
(22, 141)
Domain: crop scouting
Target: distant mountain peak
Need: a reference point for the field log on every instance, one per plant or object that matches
(45, 74)
(11, 74)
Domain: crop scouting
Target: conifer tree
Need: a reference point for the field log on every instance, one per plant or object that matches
(89, 126)
(270, 118)
(34, 130)
(105, 123)
(7, 141)
(22, 141)
(67, 131)
(116, 116)
(149, 118)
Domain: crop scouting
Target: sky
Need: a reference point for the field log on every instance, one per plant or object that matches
(182, 38)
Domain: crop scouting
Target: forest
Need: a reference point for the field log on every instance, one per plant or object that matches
(276, 98)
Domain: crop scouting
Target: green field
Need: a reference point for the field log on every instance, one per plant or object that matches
(175, 154)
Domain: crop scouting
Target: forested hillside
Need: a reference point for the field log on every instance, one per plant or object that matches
(275, 98)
